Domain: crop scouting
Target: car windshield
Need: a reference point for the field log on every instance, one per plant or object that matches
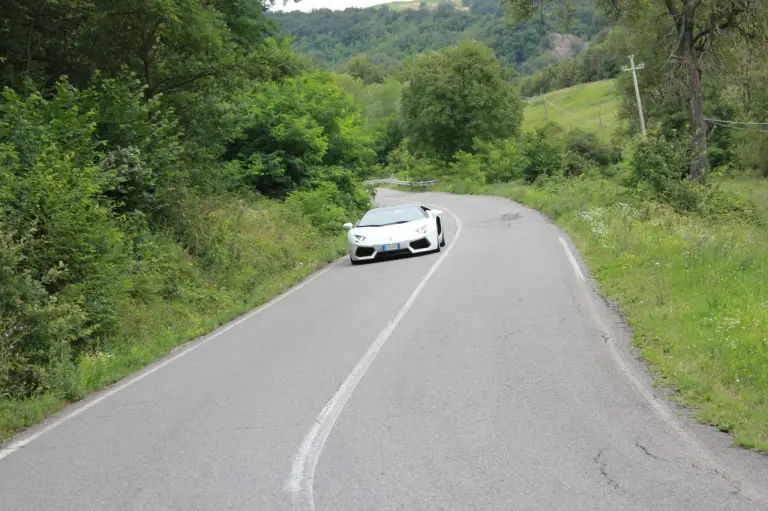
(389, 216)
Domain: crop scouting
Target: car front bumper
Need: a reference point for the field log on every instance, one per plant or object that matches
(367, 252)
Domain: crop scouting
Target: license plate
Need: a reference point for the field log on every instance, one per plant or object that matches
(391, 246)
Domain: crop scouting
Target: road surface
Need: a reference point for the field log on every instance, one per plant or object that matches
(486, 377)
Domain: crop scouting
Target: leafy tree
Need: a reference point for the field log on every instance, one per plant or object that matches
(456, 95)
(296, 126)
(361, 67)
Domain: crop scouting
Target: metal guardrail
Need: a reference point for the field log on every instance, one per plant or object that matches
(398, 182)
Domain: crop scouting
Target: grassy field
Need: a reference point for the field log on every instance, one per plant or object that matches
(580, 106)
(694, 291)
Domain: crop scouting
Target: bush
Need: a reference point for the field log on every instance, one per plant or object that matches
(404, 164)
(660, 168)
(467, 168)
(503, 160)
(545, 156)
(588, 146)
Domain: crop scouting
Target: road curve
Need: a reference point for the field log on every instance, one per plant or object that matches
(486, 377)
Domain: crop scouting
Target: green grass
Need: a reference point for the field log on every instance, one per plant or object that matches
(694, 290)
(587, 104)
(754, 188)
(261, 248)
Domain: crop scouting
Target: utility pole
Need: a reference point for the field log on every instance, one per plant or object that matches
(634, 69)
(544, 102)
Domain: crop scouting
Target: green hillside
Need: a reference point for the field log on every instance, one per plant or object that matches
(388, 34)
(581, 106)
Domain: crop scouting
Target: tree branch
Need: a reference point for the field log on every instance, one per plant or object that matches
(181, 83)
(672, 9)
(716, 28)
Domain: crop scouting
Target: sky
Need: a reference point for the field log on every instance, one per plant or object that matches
(308, 5)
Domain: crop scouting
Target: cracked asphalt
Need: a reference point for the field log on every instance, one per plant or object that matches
(496, 391)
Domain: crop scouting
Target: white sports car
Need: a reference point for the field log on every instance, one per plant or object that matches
(395, 230)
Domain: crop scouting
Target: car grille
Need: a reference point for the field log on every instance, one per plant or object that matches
(420, 244)
(393, 253)
(364, 251)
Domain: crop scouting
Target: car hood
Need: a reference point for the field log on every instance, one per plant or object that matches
(389, 233)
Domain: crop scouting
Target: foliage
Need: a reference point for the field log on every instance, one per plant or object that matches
(295, 126)
(457, 95)
(660, 165)
(362, 68)
(385, 37)
(126, 227)
(544, 156)
(379, 104)
(602, 60)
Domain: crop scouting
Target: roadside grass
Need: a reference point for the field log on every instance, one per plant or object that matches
(752, 187)
(694, 291)
(263, 249)
(587, 102)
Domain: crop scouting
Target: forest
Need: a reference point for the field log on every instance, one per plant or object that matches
(170, 164)
(385, 36)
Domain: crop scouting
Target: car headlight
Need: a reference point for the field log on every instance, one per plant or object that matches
(422, 229)
(359, 238)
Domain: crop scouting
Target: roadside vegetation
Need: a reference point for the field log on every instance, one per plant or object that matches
(164, 167)
(154, 187)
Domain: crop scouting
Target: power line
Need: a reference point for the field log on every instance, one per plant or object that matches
(742, 123)
(740, 128)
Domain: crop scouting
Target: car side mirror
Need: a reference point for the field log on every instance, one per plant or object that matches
(436, 212)
(347, 226)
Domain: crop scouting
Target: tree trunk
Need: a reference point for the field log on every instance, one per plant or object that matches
(698, 124)
(687, 52)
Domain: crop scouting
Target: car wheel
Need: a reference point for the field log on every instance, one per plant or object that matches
(442, 241)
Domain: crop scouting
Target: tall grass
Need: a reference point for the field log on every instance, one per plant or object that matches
(694, 290)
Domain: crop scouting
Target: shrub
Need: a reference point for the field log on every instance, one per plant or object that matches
(467, 168)
(588, 146)
(503, 160)
(544, 156)
(660, 167)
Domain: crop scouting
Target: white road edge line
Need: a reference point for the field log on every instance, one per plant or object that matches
(574, 263)
(16, 445)
(662, 410)
(300, 483)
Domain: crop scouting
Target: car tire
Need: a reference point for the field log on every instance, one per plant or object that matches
(442, 241)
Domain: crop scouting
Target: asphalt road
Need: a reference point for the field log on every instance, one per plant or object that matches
(486, 377)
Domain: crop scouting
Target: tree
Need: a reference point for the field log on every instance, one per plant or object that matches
(361, 67)
(172, 44)
(698, 27)
(456, 95)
